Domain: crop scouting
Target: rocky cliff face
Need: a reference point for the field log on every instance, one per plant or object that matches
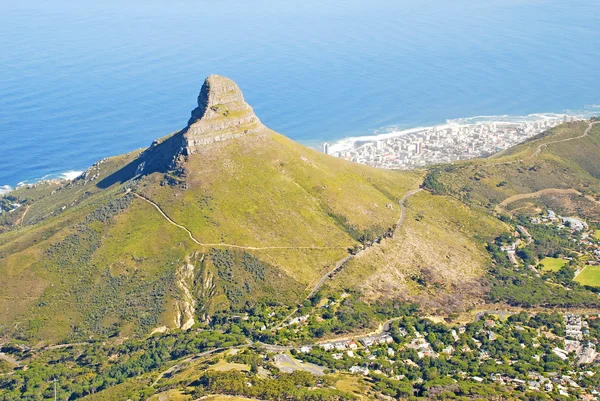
(221, 114)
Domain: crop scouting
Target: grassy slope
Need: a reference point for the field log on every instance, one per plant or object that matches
(589, 276)
(270, 191)
(64, 276)
(573, 164)
(436, 258)
(119, 273)
(55, 210)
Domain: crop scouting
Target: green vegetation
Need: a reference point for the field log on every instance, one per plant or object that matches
(338, 316)
(525, 288)
(107, 367)
(295, 386)
(488, 182)
(227, 240)
(247, 280)
(589, 276)
(72, 270)
(552, 264)
(438, 254)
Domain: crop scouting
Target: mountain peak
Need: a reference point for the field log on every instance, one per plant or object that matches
(221, 114)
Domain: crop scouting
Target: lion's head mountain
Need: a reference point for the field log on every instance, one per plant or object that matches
(226, 214)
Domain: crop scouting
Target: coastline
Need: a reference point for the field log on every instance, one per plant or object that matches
(392, 131)
(68, 175)
(387, 132)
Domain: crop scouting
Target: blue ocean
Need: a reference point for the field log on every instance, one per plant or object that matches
(81, 80)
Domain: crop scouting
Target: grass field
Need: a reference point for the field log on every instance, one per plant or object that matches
(552, 264)
(597, 234)
(589, 276)
(223, 366)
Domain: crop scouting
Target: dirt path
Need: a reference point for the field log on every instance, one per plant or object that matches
(547, 191)
(347, 258)
(253, 248)
(543, 145)
(19, 221)
(189, 359)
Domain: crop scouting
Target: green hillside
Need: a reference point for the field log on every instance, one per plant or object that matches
(227, 262)
(226, 218)
(135, 245)
(437, 258)
(558, 169)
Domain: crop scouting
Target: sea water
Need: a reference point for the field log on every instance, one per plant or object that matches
(82, 80)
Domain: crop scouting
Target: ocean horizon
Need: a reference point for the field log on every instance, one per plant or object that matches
(81, 82)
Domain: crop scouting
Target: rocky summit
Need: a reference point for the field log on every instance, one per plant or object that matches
(221, 114)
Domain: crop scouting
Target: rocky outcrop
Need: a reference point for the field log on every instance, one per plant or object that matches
(222, 114)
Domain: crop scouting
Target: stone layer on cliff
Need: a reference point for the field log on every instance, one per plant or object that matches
(222, 114)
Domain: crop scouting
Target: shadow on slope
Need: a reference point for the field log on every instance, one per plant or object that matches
(162, 156)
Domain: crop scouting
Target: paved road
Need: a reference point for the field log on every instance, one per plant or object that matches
(347, 258)
(502, 313)
(327, 275)
(61, 346)
(403, 208)
(184, 361)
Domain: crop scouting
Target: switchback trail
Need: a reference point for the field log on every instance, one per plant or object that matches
(252, 248)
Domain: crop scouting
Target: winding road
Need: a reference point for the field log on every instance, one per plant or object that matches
(341, 262)
(322, 280)
(188, 359)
